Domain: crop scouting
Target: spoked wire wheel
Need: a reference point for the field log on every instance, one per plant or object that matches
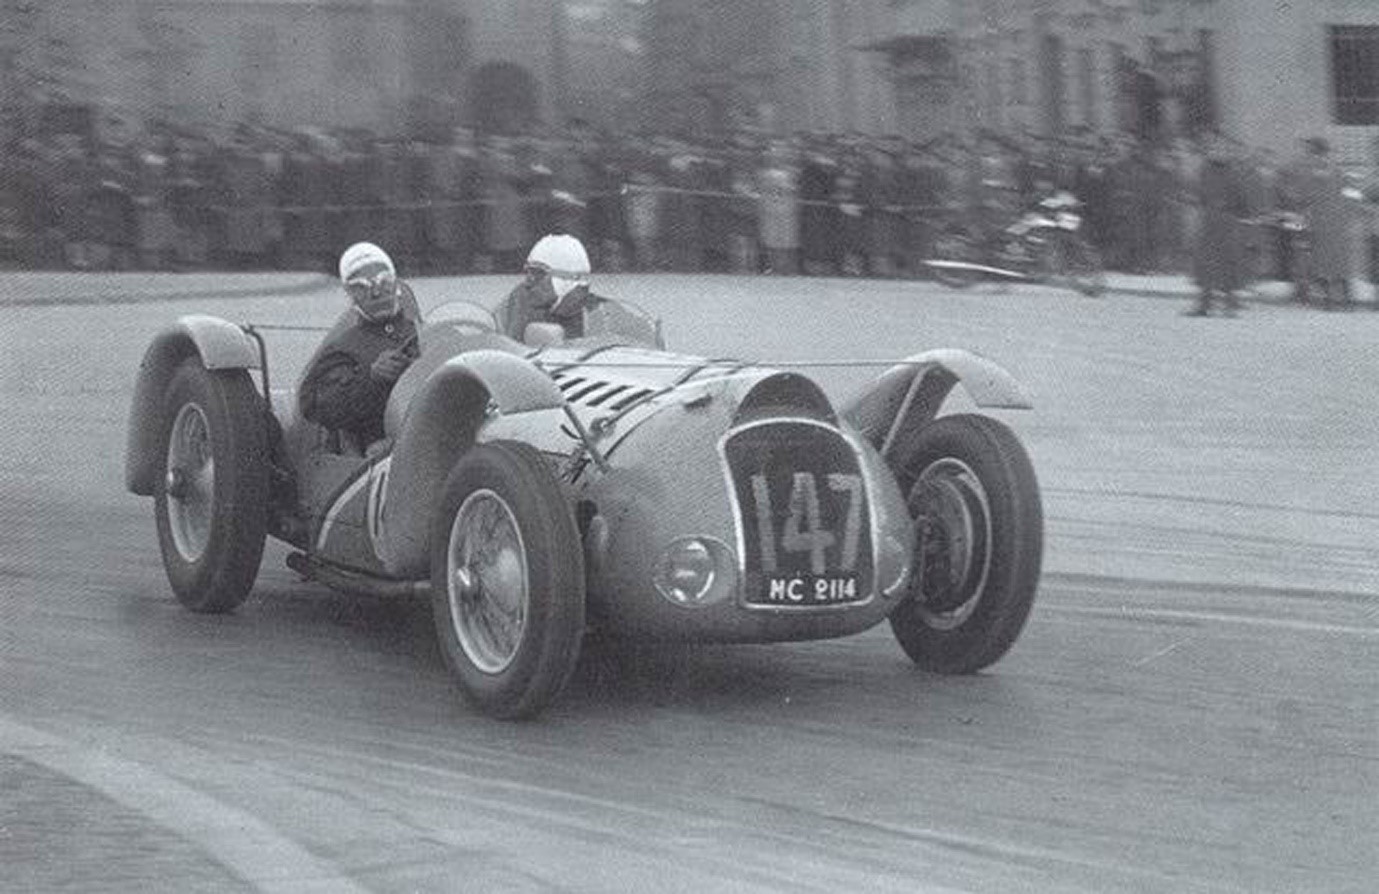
(507, 580)
(953, 548)
(979, 534)
(190, 482)
(489, 589)
(210, 502)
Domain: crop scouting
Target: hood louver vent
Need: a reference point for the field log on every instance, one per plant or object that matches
(591, 392)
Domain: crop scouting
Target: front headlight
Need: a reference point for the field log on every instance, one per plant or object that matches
(692, 571)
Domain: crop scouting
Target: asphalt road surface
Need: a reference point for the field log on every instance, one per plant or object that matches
(1192, 706)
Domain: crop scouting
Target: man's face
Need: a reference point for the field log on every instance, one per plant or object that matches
(373, 291)
(565, 297)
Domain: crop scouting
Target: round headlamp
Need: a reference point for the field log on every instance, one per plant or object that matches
(686, 572)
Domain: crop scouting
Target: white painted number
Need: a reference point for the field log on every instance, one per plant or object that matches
(804, 530)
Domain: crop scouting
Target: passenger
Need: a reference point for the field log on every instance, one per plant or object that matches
(554, 288)
(348, 381)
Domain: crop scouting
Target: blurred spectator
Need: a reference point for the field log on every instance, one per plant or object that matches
(730, 202)
(1316, 188)
(779, 220)
(679, 217)
(1261, 193)
(247, 195)
(507, 220)
(1370, 192)
(304, 191)
(1222, 253)
(819, 216)
(641, 209)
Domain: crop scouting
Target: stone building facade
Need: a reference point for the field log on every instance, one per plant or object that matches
(1265, 73)
(391, 66)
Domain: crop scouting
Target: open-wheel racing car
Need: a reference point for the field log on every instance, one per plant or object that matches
(538, 490)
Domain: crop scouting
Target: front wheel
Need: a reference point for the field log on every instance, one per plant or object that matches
(507, 579)
(210, 502)
(971, 490)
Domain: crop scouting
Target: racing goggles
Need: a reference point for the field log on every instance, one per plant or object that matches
(563, 282)
(362, 288)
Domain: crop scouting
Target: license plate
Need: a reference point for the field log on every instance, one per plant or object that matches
(802, 505)
(806, 589)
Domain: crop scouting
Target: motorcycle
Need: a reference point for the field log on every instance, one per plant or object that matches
(1042, 245)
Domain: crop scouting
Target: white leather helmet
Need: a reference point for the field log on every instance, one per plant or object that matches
(564, 258)
(360, 255)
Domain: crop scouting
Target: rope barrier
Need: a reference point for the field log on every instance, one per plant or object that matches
(570, 201)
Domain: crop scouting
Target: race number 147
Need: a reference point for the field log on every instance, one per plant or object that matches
(807, 528)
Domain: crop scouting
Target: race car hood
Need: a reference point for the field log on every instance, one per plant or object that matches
(613, 390)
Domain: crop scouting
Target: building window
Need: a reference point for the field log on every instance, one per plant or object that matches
(1355, 74)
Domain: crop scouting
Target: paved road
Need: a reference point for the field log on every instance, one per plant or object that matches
(1191, 708)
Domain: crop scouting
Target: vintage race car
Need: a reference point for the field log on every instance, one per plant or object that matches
(536, 491)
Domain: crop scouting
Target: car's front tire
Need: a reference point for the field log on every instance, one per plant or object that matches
(211, 496)
(507, 579)
(971, 490)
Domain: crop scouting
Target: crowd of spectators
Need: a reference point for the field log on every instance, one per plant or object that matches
(812, 204)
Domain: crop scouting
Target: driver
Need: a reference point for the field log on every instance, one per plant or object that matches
(348, 381)
(554, 288)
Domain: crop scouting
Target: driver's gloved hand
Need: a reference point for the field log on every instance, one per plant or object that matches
(389, 365)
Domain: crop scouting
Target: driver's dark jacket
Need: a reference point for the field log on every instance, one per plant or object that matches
(337, 391)
(528, 304)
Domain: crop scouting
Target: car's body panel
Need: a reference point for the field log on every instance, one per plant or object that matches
(219, 344)
(910, 394)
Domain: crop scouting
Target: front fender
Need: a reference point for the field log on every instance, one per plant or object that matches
(440, 421)
(218, 343)
(909, 394)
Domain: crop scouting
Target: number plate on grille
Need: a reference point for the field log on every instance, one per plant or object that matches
(803, 505)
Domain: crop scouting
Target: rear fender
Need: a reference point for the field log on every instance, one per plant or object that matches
(440, 422)
(218, 343)
(909, 395)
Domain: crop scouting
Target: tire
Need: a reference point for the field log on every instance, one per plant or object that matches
(507, 578)
(211, 499)
(979, 535)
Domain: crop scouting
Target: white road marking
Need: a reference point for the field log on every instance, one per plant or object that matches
(248, 847)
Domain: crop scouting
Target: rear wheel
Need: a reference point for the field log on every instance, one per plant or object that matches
(507, 576)
(971, 490)
(210, 502)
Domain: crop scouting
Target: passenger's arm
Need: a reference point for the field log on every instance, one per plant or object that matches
(340, 393)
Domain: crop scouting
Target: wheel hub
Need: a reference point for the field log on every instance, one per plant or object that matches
(952, 541)
(189, 482)
(466, 582)
(488, 581)
(176, 484)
